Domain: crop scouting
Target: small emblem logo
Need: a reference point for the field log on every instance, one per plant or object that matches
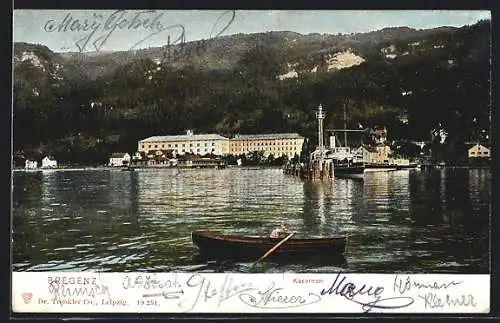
(27, 297)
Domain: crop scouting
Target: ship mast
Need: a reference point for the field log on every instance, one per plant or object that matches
(345, 125)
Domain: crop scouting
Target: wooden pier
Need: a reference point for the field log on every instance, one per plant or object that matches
(315, 171)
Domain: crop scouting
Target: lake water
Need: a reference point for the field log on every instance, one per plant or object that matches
(415, 221)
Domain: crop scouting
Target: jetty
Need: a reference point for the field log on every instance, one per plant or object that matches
(320, 165)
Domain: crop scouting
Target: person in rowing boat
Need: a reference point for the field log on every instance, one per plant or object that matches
(276, 233)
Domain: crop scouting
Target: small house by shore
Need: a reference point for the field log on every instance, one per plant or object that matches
(49, 162)
(119, 159)
(30, 164)
(479, 151)
(479, 155)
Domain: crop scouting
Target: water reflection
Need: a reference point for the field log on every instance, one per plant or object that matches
(446, 223)
(413, 221)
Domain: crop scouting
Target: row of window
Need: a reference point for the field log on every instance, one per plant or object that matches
(245, 143)
(198, 150)
(143, 146)
(272, 148)
(479, 153)
(207, 150)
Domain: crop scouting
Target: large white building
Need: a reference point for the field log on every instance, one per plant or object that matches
(279, 144)
(200, 144)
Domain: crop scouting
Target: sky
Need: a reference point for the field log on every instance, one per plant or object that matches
(64, 30)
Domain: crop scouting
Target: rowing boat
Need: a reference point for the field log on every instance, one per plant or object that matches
(219, 246)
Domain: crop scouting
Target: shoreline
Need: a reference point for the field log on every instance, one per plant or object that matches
(103, 168)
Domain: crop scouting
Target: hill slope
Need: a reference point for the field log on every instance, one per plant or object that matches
(81, 107)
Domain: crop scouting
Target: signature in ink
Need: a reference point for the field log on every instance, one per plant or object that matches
(403, 285)
(351, 292)
(61, 291)
(205, 290)
(149, 282)
(167, 294)
(222, 17)
(274, 298)
(432, 300)
(170, 288)
(98, 28)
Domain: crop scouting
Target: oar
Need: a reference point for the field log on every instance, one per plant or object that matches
(274, 248)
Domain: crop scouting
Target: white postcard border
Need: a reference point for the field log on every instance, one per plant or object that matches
(86, 292)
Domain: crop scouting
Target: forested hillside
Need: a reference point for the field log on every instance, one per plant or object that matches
(80, 108)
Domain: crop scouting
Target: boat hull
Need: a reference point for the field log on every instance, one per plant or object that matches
(379, 168)
(410, 166)
(349, 171)
(217, 246)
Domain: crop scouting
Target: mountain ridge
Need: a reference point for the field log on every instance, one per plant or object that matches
(250, 83)
(216, 46)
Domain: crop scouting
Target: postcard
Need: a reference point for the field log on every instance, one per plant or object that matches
(251, 161)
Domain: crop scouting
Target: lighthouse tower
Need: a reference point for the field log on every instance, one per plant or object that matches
(321, 167)
(320, 115)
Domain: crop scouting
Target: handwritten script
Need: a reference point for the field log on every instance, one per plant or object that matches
(206, 290)
(435, 294)
(338, 292)
(98, 28)
(276, 298)
(372, 296)
(403, 285)
(169, 288)
(64, 292)
(199, 289)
